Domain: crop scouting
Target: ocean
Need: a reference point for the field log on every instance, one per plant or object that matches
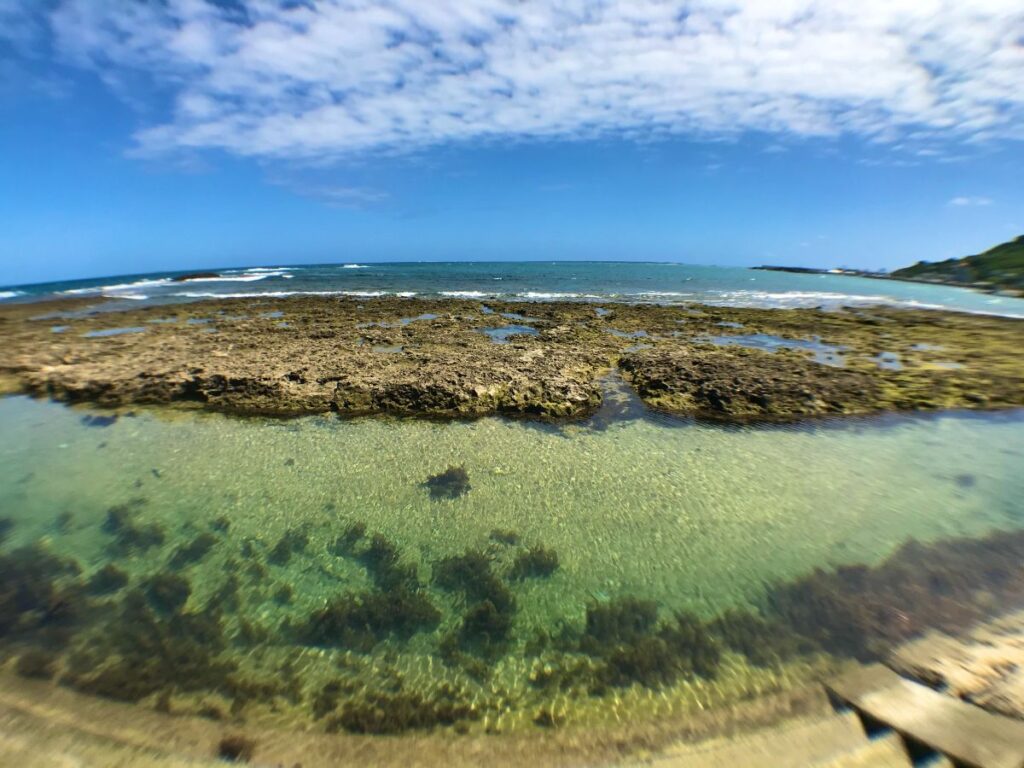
(595, 281)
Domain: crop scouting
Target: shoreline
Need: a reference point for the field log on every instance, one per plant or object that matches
(980, 288)
(548, 361)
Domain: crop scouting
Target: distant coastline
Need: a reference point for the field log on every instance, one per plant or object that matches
(999, 270)
(982, 287)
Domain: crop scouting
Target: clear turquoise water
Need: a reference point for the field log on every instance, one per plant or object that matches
(538, 281)
(693, 517)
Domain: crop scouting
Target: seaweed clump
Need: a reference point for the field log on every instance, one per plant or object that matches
(107, 579)
(98, 420)
(360, 620)
(36, 595)
(394, 712)
(129, 535)
(633, 648)
(37, 664)
(142, 652)
(536, 562)
(487, 622)
(765, 641)
(6, 526)
(167, 593)
(508, 538)
(862, 612)
(396, 607)
(292, 542)
(382, 560)
(345, 544)
(450, 484)
(193, 551)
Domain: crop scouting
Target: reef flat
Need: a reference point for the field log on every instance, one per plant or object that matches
(463, 359)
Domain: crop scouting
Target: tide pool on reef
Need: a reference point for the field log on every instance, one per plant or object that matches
(693, 517)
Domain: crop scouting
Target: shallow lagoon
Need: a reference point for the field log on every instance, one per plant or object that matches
(692, 517)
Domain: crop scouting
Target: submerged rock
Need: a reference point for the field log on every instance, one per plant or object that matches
(235, 748)
(450, 484)
(196, 276)
(98, 420)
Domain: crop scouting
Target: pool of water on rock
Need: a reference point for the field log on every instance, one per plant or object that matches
(382, 575)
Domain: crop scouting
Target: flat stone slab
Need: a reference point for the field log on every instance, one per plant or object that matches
(984, 667)
(809, 742)
(969, 735)
(886, 752)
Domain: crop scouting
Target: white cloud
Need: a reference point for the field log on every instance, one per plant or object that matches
(303, 80)
(969, 202)
(334, 195)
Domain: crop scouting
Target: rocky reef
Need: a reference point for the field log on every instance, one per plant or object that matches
(235, 355)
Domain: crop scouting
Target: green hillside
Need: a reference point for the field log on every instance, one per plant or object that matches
(999, 268)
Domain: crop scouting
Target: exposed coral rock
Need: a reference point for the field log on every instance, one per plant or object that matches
(324, 360)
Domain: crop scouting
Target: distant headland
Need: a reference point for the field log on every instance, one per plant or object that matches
(997, 270)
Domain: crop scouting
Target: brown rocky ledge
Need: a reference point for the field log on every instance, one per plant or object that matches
(302, 355)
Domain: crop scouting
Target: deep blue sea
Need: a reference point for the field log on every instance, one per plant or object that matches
(535, 281)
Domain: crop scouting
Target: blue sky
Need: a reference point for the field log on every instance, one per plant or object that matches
(140, 137)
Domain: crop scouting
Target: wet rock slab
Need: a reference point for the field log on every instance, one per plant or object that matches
(984, 667)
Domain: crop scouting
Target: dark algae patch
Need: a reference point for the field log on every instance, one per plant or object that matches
(536, 562)
(860, 611)
(388, 712)
(107, 579)
(398, 607)
(40, 597)
(235, 748)
(450, 484)
(129, 535)
(99, 420)
(193, 551)
(292, 542)
(6, 526)
(490, 606)
(361, 620)
(150, 630)
(166, 593)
